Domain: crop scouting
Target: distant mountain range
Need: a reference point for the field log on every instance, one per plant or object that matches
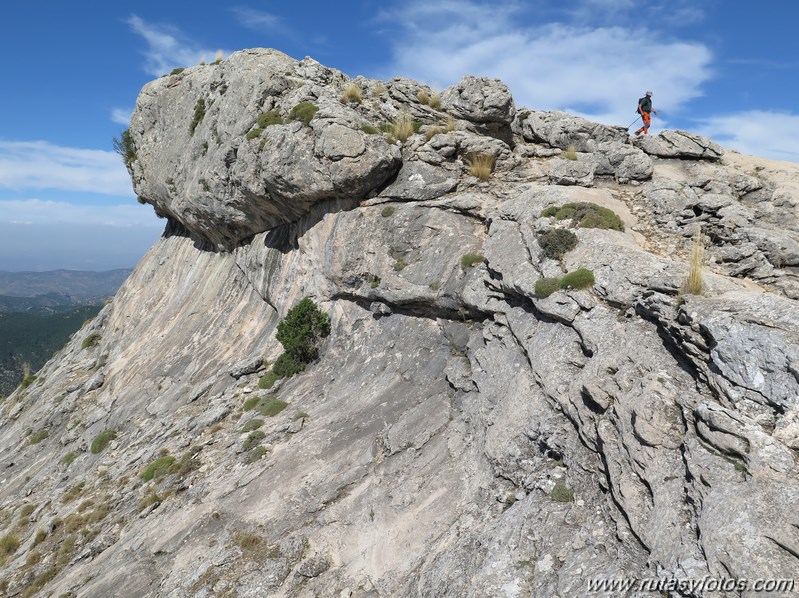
(39, 311)
(49, 292)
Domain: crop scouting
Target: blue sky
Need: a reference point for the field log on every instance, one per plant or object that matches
(724, 68)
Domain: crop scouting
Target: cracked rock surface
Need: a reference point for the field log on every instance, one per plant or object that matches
(459, 435)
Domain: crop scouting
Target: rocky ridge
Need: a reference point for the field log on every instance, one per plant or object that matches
(459, 435)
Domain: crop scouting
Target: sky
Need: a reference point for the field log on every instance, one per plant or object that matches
(726, 69)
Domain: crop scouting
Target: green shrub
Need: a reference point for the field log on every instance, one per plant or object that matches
(375, 282)
(124, 147)
(199, 113)
(91, 340)
(268, 380)
(470, 260)
(38, 436)
(557, 242)
(250, 403)
(68, 459)
(101, 441)
(303, 112)
(253, 439)
(286, 366)
(157, 468)
(586, 215)
(270, 406)
(256, 132)
(177, 71)
(252, 424)
(388, 211)
(270, 118)
(581, 278)
(370, 130)
(267, 406)
(544, 287)
(302, 331)
(562, 493)
(400, 264)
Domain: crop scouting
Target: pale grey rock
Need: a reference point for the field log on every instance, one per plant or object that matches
(680, 144)
(480, 100)
(571, 172)
(250, 365)
(419, 181)
(562, 130)
(195, 164)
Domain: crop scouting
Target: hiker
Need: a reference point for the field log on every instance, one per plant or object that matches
(645, 110)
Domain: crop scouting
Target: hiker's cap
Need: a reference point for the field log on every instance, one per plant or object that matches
(649, 93)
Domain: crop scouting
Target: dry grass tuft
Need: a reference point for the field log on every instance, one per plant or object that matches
(480, 165)
(693, 284)
(352, 93)
(435, 101)
(423, 97)
(402, 127)
(570, 153)
(450, 123)
(379, 90)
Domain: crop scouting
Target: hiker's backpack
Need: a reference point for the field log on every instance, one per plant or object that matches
(644, 100)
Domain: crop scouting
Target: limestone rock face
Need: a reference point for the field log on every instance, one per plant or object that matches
(460, 433)
(680, 144)
(204, 160)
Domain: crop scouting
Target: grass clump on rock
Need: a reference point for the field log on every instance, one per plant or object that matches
(90, 340)
(544, 287)
(586, 215)
(470, 260)
(270, 118)
(562, 493)
(101, 441)
(158, 468)
(352, 93)
(693, 285)
(303, 112)
(199, 114)
(582, 278)
(557, 242)
(480, 165)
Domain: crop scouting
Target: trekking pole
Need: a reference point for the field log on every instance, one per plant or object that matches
(632, 123)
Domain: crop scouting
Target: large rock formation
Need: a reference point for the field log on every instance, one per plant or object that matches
(461, 435)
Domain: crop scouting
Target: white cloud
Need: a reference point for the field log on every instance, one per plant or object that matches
(42, 165)
(167, 47)
(26, 212)
(256, 19)
(756, 132)
(599, 72)
(121, 116)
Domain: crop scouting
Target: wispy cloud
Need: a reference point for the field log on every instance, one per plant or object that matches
(39, 211)
(757, 132)
(597, 71)
(121, 116)
(257, 19)
(168, 48)
(42, 165)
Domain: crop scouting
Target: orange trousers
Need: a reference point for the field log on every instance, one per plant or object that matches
(647, 121)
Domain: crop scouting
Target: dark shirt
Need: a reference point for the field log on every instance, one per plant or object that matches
(645, 103)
